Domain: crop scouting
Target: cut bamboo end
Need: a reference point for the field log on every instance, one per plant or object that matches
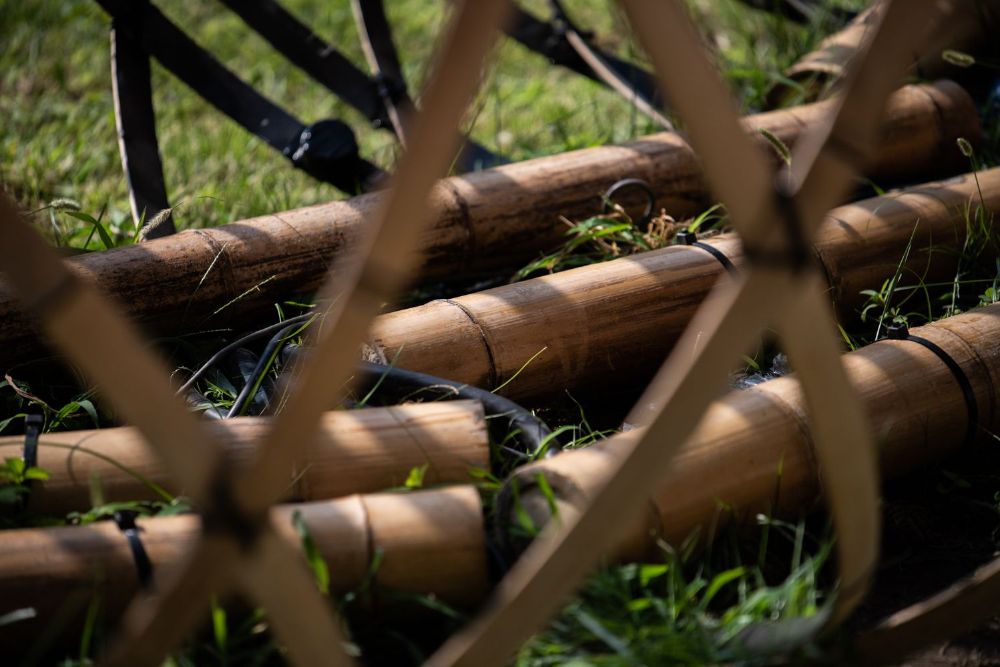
(752, 452)
(356, 451)
(428, 543)
(615, 322)
(492, 219)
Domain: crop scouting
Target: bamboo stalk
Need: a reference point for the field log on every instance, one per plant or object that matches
(486, 220)
(357, 451)
(615, 322)
(968, 29)
(752, 452)
(427, 542)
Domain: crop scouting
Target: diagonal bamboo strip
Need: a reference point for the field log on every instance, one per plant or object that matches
(354, 297)
(752, 452)
(845, 449)
(493, 219)
(96, 338)
(548, 572)
(540, 581)
(357, 451)
(351, 298)
(611, 324)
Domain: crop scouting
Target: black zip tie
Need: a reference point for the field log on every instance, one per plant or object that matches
(690, 238)
(32, 429)
(647, 190)
(902, 332)
(798, 254)
(125, 520)
(224, 516)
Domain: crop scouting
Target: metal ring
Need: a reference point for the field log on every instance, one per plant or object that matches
(647, 215)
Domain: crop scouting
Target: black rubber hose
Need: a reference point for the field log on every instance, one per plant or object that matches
(529, 432)
(508, 420)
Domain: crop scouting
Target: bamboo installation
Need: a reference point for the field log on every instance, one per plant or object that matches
(424, 542)
(356, 451)
(751, 454)
(752, 451)
(614, 322)
(494, 218)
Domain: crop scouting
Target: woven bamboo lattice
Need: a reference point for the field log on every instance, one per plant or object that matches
(776, 215)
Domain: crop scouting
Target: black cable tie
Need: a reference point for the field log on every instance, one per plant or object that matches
(125, 520)
(224, 517)
(797, 255)
(902, 332)
(689, 238)
(32, 429)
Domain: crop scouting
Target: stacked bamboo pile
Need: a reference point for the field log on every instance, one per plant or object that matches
(496, 218)
(615, 322)
(430, 541)
(752, 453)
(356, 451)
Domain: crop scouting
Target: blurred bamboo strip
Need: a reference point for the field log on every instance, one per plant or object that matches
(752, 452)
(425, 542)
(358, 451)
(615, 322)
(484, 221)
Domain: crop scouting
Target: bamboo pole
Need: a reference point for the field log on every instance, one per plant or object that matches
(752, 451)
(616, 321)
(427, 542)
(968, 29)
(357, 451)
(484, 221)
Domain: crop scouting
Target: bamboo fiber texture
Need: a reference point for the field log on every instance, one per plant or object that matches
(356, 451)
(612, 323)
(752, 452)
(495, 218)
(425, 542)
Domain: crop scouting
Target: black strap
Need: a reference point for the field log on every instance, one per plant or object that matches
(689, 238)
(901, 332)
(326, 150)
(549, 39)
(32, 429)
(224, 516)
(798, 254)
(136, 123)
(125, 520)
(308, 52)
(380, 50)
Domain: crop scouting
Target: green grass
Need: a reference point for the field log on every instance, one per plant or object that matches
(58, 142)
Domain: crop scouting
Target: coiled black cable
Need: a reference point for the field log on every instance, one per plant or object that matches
(507, 420)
